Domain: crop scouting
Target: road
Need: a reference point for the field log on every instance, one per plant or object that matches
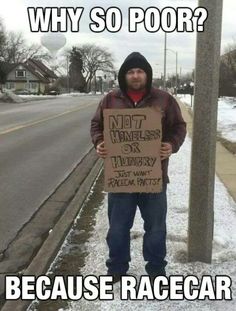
(41, 142)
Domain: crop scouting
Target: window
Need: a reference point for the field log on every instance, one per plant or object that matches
(10, 85)
(20, 73)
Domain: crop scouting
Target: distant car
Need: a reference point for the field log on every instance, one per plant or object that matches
(188, 89)
(52, 91)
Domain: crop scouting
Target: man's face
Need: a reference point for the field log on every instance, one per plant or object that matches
(136, 79)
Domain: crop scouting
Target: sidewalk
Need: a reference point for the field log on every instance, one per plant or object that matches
(225, 161)
(224, 244)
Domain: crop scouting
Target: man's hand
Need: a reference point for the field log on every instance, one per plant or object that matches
(166, 150)
(101, 151)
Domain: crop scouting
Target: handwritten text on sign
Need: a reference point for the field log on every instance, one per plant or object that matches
(133, 140)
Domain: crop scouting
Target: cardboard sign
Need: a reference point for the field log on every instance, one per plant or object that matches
(133, 140)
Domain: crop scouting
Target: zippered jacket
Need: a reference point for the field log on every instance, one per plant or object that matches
(173, 125)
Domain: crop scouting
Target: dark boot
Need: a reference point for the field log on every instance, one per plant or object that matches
(116, 277)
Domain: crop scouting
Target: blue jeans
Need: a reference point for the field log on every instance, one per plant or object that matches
(121, 213)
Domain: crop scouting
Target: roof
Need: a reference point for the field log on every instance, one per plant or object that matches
(34, 70)
(47, 72)
(36, 67)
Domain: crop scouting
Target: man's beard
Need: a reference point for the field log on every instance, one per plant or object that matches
(136, 85)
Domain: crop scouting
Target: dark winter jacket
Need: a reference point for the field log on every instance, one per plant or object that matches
(173, 125)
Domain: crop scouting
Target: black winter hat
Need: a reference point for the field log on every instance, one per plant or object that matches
(134, 60)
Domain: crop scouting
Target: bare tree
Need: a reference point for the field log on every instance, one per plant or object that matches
(16, 49)
(94, 58)
(227, 81)
(229, 58)
(2, 44)
(2, 39)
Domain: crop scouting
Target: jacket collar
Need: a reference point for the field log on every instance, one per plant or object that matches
(153, 91)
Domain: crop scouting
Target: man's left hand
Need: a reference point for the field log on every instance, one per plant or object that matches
(166, 150)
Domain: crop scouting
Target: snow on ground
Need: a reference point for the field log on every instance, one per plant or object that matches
(72, 94)
(226, 124)
(224, 246)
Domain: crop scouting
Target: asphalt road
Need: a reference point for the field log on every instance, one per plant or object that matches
(41, 142)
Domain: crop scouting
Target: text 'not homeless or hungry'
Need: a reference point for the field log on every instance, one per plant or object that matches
(133, 141)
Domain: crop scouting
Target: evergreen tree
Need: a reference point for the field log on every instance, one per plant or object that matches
(77, 81)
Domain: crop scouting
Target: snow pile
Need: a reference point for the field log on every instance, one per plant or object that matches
(33, 97)
(226, 124)
(227, 118)
(9, 97)
(73, 94)
(224, 245)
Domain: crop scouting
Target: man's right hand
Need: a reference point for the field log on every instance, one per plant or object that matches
(101, 151)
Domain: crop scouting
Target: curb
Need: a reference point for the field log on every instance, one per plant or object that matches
(47, 252)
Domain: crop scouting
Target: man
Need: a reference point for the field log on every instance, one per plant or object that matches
(136, 91)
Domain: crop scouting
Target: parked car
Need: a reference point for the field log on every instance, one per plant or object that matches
(52, 91)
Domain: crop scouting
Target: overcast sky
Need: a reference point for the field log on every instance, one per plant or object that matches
(14, 15)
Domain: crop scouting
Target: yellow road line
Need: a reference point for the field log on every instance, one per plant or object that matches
(19, 127)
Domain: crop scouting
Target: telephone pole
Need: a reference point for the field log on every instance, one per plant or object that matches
(201, 210)
(164, 83)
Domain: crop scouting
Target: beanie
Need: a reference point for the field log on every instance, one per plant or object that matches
(134, 60)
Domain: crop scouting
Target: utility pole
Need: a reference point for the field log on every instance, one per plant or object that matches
(201, 211)
(95, 83)
(67, 73)
(176, 77)
(176, 68)
(164, 83)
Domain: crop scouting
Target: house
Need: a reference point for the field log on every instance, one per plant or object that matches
(32, 77)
